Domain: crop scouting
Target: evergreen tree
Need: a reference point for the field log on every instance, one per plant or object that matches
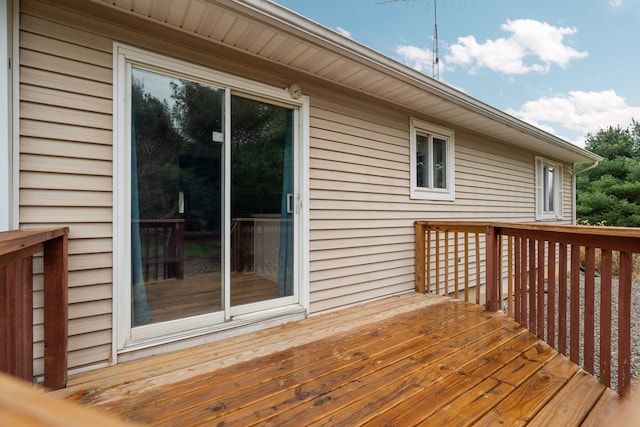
(610, 193)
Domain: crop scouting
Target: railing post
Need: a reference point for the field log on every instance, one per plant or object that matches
(493, 286)
(420, 257)
(624, 324)
(55, 312)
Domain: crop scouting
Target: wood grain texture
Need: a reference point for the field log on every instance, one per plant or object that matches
(411, 360)
(25, 406)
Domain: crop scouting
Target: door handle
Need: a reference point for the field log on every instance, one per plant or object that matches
(289, 203)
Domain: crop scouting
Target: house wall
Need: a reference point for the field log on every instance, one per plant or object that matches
(361, 216)
(362, 235)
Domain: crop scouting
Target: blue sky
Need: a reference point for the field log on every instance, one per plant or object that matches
(570, 67)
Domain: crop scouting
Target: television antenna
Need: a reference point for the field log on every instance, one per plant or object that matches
(435, 66)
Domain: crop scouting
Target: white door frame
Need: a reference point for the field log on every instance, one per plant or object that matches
(7, 150)
(123, 58)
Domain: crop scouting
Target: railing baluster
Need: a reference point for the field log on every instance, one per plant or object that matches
(437, 236)
(456, 281)
(428, 273)
(533, 324)
(589, 303)
(551, 294)
(605, 317)
(25, 328)
(510, 290)
(498, 279)
(525, 281)
(540, 288)
(574, 316)
(624, 324)
(562, 298)
(446, 262)
(420, 260)
(518, 292)
(466, 266)
(477, 249)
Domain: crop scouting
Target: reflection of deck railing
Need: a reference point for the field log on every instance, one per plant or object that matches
(547, 276)
(255, 244)
(17, 249)
(162, 248)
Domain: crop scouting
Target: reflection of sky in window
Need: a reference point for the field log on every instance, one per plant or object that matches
(158, 85)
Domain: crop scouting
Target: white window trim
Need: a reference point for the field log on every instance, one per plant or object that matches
(422, 193)
(556, 214)
(123, 58)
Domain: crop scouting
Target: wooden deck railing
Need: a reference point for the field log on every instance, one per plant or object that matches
(544, 276)
(255, 244)
(17, 249)
(162, 248)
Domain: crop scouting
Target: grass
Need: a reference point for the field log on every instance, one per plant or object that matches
(201, 249)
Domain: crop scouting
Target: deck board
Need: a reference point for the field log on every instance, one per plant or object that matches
(408, 360)
(572, 404)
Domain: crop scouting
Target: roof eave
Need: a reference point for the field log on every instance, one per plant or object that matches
(333, 41)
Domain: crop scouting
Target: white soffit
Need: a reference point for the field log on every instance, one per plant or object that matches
(269, 31)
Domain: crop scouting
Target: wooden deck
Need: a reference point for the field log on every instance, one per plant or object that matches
(408, 360)
(199, 294)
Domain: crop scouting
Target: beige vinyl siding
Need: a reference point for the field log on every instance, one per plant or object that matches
(66, 172)
(567, 199)
(361, 237)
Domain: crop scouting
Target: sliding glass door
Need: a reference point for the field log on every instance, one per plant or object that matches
(261, 201)
(212, 203)
(176, 194)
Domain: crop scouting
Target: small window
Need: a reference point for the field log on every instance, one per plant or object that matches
(548, 189)
(432, 161)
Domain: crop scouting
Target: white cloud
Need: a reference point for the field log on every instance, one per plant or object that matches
(415, 57)
(532, 47)
(578, 113)
(615, 3)
(343, 32)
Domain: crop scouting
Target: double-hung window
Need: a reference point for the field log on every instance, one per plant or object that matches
(548, 189)
(432, 161)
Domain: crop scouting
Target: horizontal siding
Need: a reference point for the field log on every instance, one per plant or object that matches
(47, 163)
(35, 79)
(64, 181)
(64, 66)
(66, 149)
(66, 172)
(361, 214)
(567, 188)
(60, 131)
(63, 115)
(37, 94)
(86, 230)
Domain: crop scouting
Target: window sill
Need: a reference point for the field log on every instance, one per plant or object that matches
(447, 196)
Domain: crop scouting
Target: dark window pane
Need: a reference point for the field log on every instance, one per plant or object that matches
(439, 163)
(549, 188)
(422, 161)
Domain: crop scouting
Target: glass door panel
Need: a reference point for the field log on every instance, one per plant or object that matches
(176, 193)
(261, 201)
